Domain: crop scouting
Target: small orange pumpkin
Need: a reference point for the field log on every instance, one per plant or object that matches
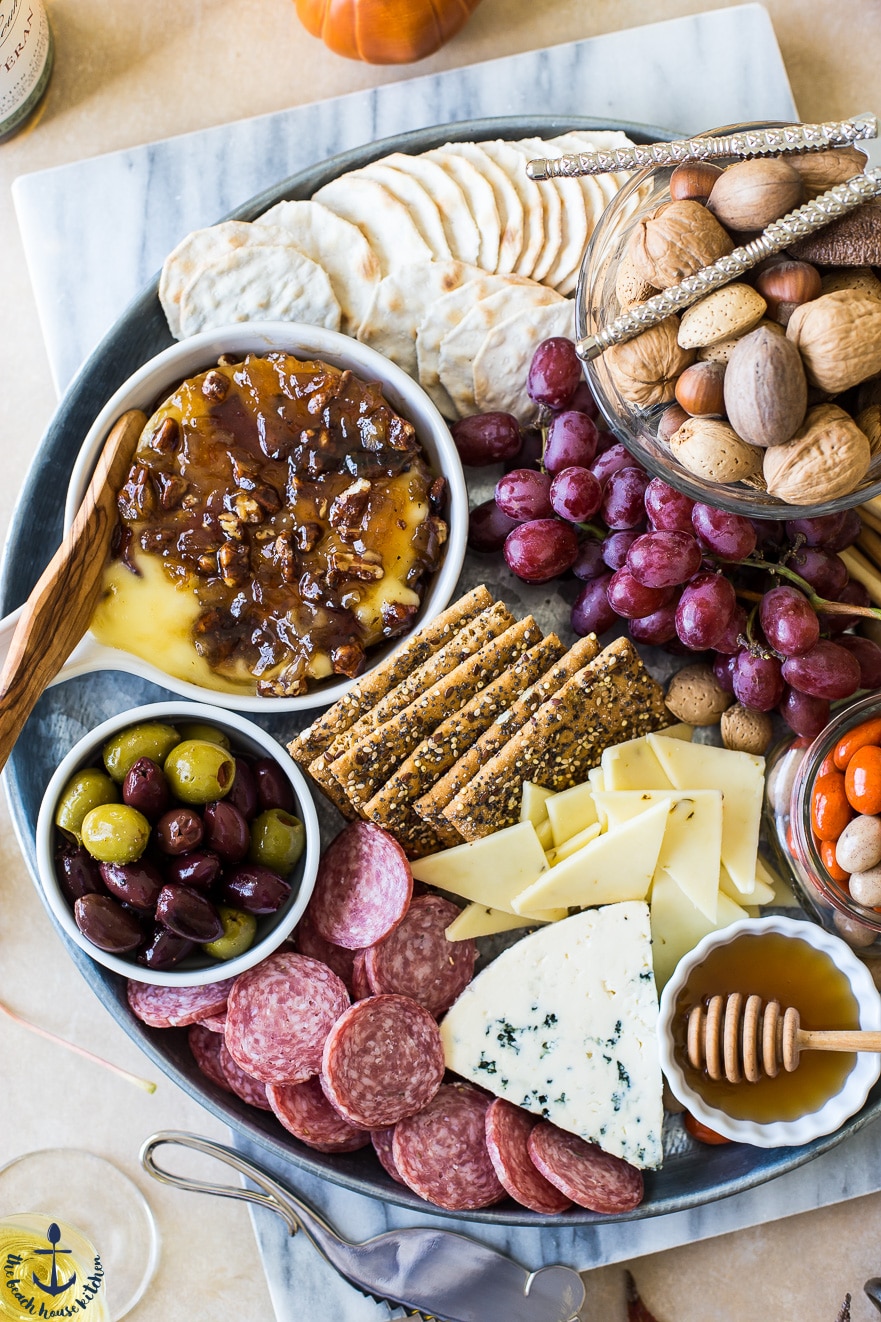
(385, 31)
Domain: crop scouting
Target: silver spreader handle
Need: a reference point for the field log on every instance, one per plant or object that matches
(751, 142)
(779, 234)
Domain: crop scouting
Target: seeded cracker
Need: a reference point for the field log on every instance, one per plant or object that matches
(392, 806)
(430, 807)
(373, 687)
(362, 770)
(611, 699)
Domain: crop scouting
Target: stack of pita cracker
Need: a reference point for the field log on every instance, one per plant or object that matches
(452, 263)
(435, 743)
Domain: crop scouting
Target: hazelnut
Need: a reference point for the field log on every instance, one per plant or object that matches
(787, 285)
(693, 180)
(745, 730)
(671, 420)
(700, 390)
(696, 697)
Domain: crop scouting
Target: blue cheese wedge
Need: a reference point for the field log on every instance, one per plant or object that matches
(564, 1024)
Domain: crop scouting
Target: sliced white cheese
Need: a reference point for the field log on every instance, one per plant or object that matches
(741, 778)
(761, 893)
(617, 865)
(597, 782)
(478, 920)
(783, 896)
(545, 833)
(490, 871)
(633, 766)
(571, 811)
(678, 925)
(533, 803)
(564, 1024)
(572, 846)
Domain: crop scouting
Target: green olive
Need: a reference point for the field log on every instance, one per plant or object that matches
(149, 739)
(277, 840)
(87, 789)
(202, 730)
(239, 930)
(115, 833)
(199, 772)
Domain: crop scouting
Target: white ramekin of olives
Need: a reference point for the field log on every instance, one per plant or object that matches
(177, 844)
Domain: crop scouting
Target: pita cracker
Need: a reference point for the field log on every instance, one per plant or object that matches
(508, 203)
(512, 162)
(552, 212)
(501, 365)
(481, 202)
(259, 283)
(418, 201)
(400, 302)
(383, 220)
(460, 226)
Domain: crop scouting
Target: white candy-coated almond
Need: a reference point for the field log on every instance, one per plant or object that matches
(859, 845)
(865, 887)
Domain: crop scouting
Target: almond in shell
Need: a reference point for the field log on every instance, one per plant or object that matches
(766, 394)
(827, 457)
(839, 338)
(723, 315)
(712, 450)
(645, 369)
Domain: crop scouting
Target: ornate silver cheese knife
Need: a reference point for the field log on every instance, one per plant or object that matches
(433, 1273)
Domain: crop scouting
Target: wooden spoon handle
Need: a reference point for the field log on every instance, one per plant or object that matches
(838, 1039)
(57, 613)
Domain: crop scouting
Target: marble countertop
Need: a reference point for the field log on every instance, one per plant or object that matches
(127, 75)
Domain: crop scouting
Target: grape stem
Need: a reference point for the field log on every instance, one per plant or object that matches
(818, 603)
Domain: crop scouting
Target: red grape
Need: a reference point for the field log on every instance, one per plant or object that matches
(486, 438)
(589, 562)
(624, 499)
(804, 714)
(667, 508)
(757, 681)
(488, 527)
(612, 460)
(541, 549)
(769, 532)
(816, 532)
(524, 494)
(530, 452)
(554, 373)
(583, 400)
(704, 611)
(853, 594)
(591, 612)
(789, 621)
(824, 570)
(723, 669)
(726, 535)
(729, 643)
(826, 671)
(616, 547)
(851, 527)
(664, 559)
(868, 655)
(575, 494)
(631, 599)
(572, 441)
(655, 629)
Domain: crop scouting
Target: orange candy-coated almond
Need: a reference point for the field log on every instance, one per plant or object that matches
(862, 780)
(869, 732)
(835, 870)
(702, 1132)
(830, 809)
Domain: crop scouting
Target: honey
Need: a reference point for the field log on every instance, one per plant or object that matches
(788, 970)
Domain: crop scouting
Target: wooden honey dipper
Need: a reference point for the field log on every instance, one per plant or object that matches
(732, 1038)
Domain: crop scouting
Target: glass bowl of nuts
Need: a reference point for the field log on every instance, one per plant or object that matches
(764, 397)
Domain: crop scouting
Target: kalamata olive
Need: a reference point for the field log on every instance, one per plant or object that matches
(199, 772)
(179, 831)
(137, 884)
(200, 869)
(188, 913)
(85, 790)
(239, 930)
(226, 831)
(115, 833)
(77, 872)
(277, 840)
(150, 739)
(254, 889)
(146, 788)
(202, 730)
(273, 787)
(106, 924)
(164, 949)
(244, 790)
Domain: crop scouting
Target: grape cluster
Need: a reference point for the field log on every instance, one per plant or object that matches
(768, 599)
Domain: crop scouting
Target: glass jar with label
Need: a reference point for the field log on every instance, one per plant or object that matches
(26, 56)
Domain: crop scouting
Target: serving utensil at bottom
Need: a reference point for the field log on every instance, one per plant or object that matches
(434, 1273)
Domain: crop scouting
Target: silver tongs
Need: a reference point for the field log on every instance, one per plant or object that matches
(433, 1273)
(861, 132)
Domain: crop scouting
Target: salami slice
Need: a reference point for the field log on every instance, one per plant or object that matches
(417, 960)
(507, 1130)
(361, 988)
(279, 1014)
(206, 1048)
(583, 1172)
(306, 1113)
(310, 942)
(363, 887)
(382, 1060)
(215, 1023)
(382, 1146)
(177, 1007)
(250, 1090)
(441, 1153)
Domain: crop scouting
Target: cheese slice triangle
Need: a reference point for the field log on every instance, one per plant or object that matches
(564, 1024)
(478, 920)
(489, 871)
(678, 925)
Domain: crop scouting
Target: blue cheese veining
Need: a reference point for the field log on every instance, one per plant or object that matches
(564, 1024)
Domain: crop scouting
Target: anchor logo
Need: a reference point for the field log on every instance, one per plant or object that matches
(53, 1234)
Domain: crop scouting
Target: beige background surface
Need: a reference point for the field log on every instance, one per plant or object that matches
(127, 73)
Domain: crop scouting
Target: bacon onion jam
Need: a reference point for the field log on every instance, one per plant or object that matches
(278, 520)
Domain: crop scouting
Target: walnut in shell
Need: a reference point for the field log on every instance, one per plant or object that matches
(827, 457)
(839, 338)
(824, 169)
(712, 450)
(766, 394)
(674, 241)
(645, 369)
(869, 421)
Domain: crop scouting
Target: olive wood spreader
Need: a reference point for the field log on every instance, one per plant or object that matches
(57, 613)
(733, 1038)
